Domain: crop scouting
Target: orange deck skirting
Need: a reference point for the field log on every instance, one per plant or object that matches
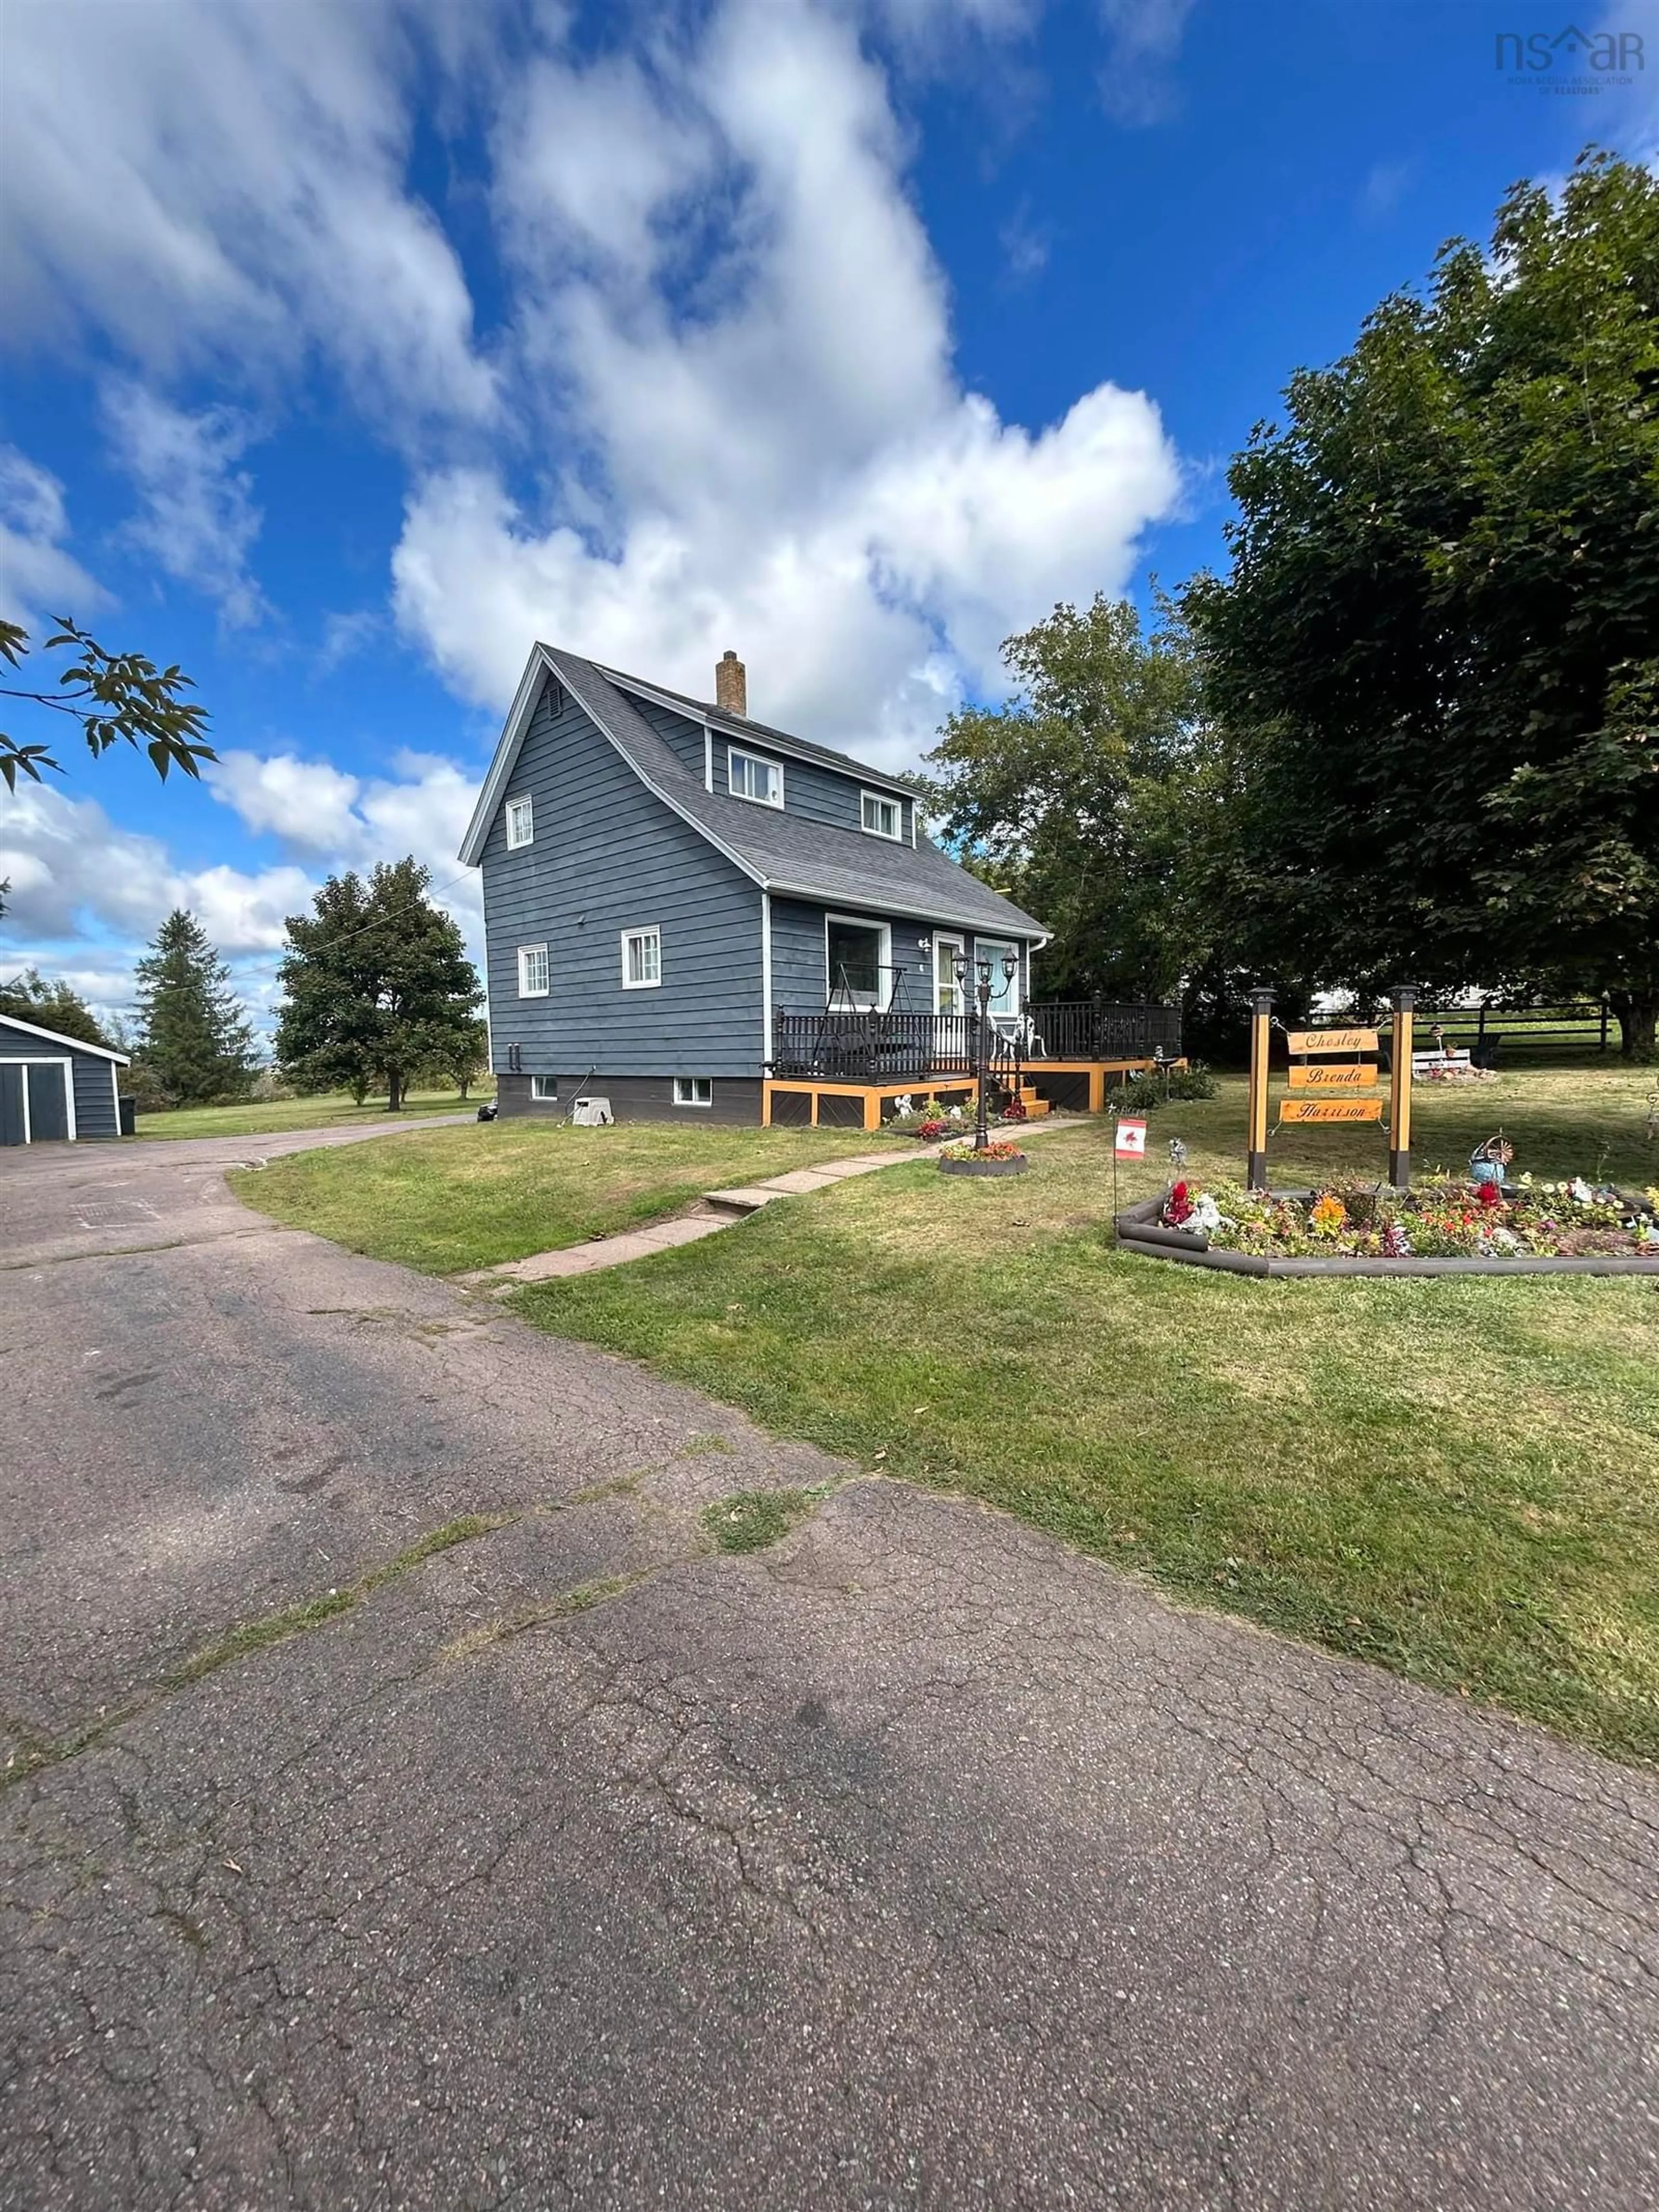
(1099, 1072)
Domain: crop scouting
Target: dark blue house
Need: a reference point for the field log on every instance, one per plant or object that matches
(689, 912)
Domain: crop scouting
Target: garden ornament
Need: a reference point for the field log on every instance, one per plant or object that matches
(1489, 1162)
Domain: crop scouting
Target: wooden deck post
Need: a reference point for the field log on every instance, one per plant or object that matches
(1400, 1089)
(1262, 1013)
(1097, 1090)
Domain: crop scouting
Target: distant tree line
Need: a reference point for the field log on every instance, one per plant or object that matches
(377, 995)
(1412, 735)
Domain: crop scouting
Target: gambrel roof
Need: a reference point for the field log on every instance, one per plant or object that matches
(780, 851)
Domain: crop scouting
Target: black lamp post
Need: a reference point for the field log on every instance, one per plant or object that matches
(980, 973)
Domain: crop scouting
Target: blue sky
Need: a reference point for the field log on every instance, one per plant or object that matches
(350, 346)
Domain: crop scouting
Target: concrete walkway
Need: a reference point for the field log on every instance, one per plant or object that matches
(715, 1211)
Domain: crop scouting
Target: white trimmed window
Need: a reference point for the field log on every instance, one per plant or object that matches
(749, 776)
(543, 1086)
(858, 959)
(694, 1090)
(533, 971)
(642, 959)
(520, 824)
(880, 816)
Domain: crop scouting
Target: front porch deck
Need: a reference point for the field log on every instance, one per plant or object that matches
(814, 1102)
(843, 1068)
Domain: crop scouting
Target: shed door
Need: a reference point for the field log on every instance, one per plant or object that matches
(48, 1102)
(11, 1102)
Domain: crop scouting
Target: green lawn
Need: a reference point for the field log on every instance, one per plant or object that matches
(1458, 1479)
(331, 1110)
(470, 1197)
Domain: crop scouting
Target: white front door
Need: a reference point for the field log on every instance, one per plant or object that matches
(947, 991)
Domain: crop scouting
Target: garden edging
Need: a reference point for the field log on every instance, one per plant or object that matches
(1139, 1230)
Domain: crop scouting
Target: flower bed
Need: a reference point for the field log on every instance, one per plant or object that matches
(1444, 1225)
(1000, 1158)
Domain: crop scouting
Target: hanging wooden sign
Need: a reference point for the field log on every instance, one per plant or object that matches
(1334, 1075)
(1347, 1041)
(1330, 1110)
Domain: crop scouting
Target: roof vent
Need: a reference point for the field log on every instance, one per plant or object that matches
(731, 684)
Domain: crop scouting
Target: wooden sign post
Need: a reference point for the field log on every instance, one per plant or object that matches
(1262, 1016)
(1333, 1077)
(1400, 1089)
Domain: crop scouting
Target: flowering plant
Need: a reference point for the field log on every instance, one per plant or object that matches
(998, 1149)
(1444, 1217)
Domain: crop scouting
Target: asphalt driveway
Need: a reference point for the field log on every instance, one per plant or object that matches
(405, 1810)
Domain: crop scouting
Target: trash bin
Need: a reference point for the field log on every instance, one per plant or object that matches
(129, 1117)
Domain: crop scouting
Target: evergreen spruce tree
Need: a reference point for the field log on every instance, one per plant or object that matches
(377, 986)
(194, 1037)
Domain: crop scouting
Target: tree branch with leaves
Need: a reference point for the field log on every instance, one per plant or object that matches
(113, 696)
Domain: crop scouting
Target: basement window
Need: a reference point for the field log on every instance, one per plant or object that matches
(545, 1087)
(694, 1090)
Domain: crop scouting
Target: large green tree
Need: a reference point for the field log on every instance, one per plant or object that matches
(377, 984)
(193, 1039)
(53, 1004)
(1089, 798)
(1437, 650)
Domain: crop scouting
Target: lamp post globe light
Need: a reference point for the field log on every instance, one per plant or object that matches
(978, 973)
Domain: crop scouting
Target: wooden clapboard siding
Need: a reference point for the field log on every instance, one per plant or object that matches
(608, 855)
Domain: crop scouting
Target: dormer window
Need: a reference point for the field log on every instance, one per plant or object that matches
(881, 817)
(749, 776)
(520, 824)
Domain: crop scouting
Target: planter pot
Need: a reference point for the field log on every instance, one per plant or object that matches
(1018, 1165)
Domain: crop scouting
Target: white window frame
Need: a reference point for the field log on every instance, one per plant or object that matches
(996, 946)
(652, 932)
(734, 753)
(544, 1097)
(517, 844)
(877, 799)
(685, 1083)
(526, 990)
(883, 966)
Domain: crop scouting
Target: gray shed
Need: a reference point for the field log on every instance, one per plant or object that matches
(55, 1086)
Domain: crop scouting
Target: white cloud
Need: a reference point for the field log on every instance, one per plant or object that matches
(344, 635)
(40, 579)
(351, 822)
(87, 896)
(197, 517)
(1143, 38)
(762, 441)
(208, 181)
(76, 876)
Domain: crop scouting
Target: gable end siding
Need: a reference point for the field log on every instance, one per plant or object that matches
(608, 856)
(95, 1111)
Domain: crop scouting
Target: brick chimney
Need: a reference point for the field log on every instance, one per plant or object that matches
(731, 684)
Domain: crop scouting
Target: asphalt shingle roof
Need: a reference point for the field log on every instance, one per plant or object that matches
(785, 851)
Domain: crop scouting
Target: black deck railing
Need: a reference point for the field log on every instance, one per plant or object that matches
(880, 1047)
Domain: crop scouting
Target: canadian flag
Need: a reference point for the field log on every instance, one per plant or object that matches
(1131, 1140)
